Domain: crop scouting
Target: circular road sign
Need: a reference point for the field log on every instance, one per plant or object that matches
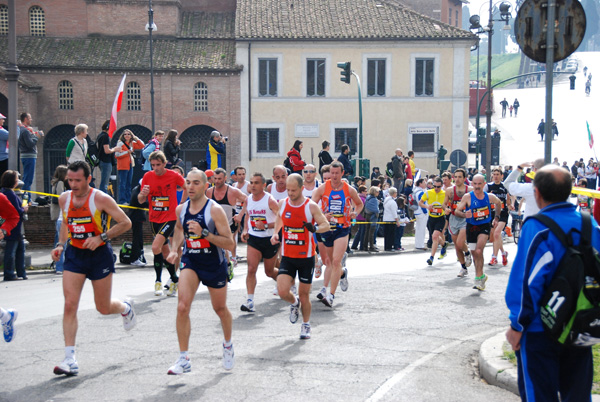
(458, 157)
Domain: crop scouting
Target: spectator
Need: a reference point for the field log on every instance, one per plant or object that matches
(574, 169)
(77, 146)
(295, 159)
(591, 174)
(171, 148)
(375, 174)
(403, 219)
(344, 159)
(413, 167)
(390, 219)
(541, 129)
(3, 146)
(324, 156)
(126, 146)
(359, 238)
(137, 217)
(371, 213)
(398, 170)
(421, 215)
(504, 105)
(215, 150)
(106, 156)
(565, 166)
(28, 148)
(554, 130)
(516, 105)
(14, 250)
(151, 146)
(58, 185)
(407, 170)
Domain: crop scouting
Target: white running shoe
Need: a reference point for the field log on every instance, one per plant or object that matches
(344, 259)
(328, 301)
(295, 312)
(480, 283)
(248, 306)
(322, 294)
(462, 273)
(129, 319)
(68, 367)
(228, 357)
(275, 291)
(158, 289)
(468, 260)
(182, 365)
(138, 263)
(172, 290)
(9, 327)
(318, 267)
(305, 331)
(344, 280)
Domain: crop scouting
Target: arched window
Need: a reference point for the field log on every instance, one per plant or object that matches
(37, 21)
(200, 97)
(3, 19)
(134, 96)
(65, 95)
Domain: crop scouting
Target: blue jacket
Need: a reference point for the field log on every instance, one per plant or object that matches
(148, 149)
(343, 159)
(3, 147)
(214, 154)
(536, 261)
(15, 234)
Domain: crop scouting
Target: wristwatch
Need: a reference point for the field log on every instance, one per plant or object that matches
(205, 232)
(104, 237)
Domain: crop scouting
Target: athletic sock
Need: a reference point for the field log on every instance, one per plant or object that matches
(227, 344)
(493, 256)
(70, 352)
(158, 262)
(324, 290)
(297, 302)
(467, 253)
(183, 354)
(4, 316)
(127, 309)
(250, 296)
(307, 323)
(171, 269)
(464, 266)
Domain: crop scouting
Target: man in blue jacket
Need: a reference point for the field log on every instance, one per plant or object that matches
(215, 151)
(345, 160)
(546, 367)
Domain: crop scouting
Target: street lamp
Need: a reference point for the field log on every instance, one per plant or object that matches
(151, 26)
(476, 25)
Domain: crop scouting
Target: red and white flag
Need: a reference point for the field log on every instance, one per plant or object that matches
(116, 108)
(590, 136)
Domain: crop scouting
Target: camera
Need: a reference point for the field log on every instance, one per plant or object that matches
(226, 138)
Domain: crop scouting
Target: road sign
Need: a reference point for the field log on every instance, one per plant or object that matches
(458, 157)
(569, 28)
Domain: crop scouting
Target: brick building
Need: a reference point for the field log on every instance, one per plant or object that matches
(72, 55)
(448, 11)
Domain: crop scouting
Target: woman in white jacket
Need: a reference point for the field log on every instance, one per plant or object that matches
(390, 219)
(421, 216)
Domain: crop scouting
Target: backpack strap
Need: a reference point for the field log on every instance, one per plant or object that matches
(554, 228)
(586, 228)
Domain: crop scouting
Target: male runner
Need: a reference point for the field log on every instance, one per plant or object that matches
(446, 184)
(433, 200)
(203, 228)
(241, 184)
(261, 211)
(340, 203)
(278, 187)
(322, 260)
(310, 183)
(296, 217)
(228, 197)
(10, 219)
(159, 188)
(497, 188)
(86, 212)
(458, 226)
(478, 211)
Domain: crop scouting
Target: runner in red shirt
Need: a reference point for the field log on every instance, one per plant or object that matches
(159, 188)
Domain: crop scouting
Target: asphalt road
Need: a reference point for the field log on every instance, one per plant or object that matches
(403, 332)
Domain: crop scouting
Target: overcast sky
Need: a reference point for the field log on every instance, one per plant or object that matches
(476, 5)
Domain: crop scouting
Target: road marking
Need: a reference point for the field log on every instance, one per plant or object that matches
(392, 381)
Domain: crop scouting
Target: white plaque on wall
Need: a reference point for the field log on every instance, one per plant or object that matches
(307, 130)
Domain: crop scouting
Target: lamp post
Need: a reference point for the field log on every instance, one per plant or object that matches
(475, 24)
(151, 26)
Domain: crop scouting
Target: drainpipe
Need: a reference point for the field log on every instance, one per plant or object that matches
(249, 103)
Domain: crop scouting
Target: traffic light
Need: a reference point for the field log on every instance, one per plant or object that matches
(346, 71)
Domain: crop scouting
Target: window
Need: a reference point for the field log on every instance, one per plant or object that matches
(424, 77)
(200, 97)
(65, 95)
(424, 139)
(376, 77)
(3, 19)
(345, 136)
(456, 18)
(37, 21)
(267, 140)
(267, 77)
(134, 96)
(315, 77)
(450, 16)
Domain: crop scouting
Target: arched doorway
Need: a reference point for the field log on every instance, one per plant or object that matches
(55, 145)
(193, 146)
(143, 134)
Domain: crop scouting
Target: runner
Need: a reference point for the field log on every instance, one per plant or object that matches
(477, 209)
(432, 200)
(261, 214)
(322, 260)
(159, 188)
(86, 212)
(497, 188)
(204, 227)
(241, 184)
(309, 175)
(297, 217)
(341, 204)
(10, 218)
(458, 226)
(278, 187)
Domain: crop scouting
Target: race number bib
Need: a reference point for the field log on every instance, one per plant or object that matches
(160, 204)
(195, 244)
(481, 214)
(294, 236)
(81, 228)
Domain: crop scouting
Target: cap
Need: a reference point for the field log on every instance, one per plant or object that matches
(2, 116)
(531, 175)
(209, 173)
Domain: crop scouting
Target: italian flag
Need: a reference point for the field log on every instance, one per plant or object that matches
(116, 108)
(590, 136)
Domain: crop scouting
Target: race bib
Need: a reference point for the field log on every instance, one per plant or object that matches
(255, 219)
(436, 209)
(195, 244)
(481, 214)
(160, 203)
(294, 236)
(81, 228)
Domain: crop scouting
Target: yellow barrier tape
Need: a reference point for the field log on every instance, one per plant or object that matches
(54, 195)
(586, 191)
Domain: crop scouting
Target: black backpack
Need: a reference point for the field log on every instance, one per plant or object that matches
(570, 307)
(287, 164)
(125, 253)
(92, 156)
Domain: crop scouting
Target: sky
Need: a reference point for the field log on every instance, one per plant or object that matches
(476, 5)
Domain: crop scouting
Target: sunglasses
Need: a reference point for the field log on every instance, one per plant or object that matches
(310, 171)
(437, 186)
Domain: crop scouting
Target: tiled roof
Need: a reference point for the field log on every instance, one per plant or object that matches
(337, 20)
(123, 54)
(201, 25)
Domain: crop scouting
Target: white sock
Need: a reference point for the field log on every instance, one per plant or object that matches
(227, 344)
(324, 290)
(183, 354)
(127, 309)
(70, 352)
(307, 323)
(250, 296)
(296, 302)
(4, 316)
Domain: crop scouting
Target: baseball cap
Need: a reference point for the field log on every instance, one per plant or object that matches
(209, 173)
(2, 116)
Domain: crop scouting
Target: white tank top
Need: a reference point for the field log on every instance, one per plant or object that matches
(260, 211)
(276, 194)
(308, 193)
(243, 189)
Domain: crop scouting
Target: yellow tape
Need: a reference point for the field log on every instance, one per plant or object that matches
(54, 195)
(586, 191)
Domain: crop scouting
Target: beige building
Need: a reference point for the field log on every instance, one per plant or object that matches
(414, 72)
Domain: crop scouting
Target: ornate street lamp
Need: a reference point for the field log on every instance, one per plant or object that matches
(151, 26)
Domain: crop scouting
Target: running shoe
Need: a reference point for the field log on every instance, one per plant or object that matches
(305, 331)
(275, 291)
(234, 260)
(328, 301)
(182, 365)
(443, 252)
(322, 294)
(344, 280)
(248, 306)
(295, 312)
(344, 260)
(68, 367)
(168, 284)
(9, 327)
(318, 268)
(493, 262)
(129, 319)
(430, 261)
(468, 259)
(138, 263)
(462, 273)
(172, 290)
(158, 289)
(228, 357)
(505, 258)
(480, 283)
(230, 271)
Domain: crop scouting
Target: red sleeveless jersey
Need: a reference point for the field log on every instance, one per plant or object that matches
(85, 221)
(297, 242)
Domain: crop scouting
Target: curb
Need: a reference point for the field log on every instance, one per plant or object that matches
(494, 368)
